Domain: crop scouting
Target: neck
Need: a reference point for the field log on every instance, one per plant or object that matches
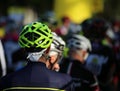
(42, 59)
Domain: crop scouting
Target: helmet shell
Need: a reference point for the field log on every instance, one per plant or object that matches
(79, 42)
(35, 36)
(96, 29)
(58, 43)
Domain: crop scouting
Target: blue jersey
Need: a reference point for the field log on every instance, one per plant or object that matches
(35, 75)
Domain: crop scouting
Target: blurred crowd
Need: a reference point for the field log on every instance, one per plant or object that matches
(103, 61)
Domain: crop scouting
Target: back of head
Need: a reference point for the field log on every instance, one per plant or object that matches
(77, 42)
(35, 38)
(97, 28)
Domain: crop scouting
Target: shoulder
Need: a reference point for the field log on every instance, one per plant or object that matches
(63, 76)
(61, 79)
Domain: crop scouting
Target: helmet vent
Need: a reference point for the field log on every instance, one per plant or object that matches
(34, 23)
(41, 32)
(27, 35)
(33, 36)
(46, 30)
(32, 27)
(36, 36)
(29, 44)
(46, 43)
(43, 25)
(50, 37)
(78, 43)
(76, 38)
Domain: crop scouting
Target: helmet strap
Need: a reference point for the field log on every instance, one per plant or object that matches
(52, 64)
(47, 57)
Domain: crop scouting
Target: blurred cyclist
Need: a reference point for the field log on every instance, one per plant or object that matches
(79, 48)
(102, 60)
(55, 52)
(36, 38)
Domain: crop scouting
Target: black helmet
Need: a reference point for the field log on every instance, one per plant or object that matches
(96, 28)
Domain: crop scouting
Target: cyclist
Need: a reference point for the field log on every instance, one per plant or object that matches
(102, 61)
(55, 52)
(79, 48)
(36, 38)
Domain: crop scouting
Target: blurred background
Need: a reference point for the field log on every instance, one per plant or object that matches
(77, 10)
(65, 17)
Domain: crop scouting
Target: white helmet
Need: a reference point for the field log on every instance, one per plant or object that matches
(57, 45)
(79, 42)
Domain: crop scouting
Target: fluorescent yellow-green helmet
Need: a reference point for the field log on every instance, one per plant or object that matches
(35, 37)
